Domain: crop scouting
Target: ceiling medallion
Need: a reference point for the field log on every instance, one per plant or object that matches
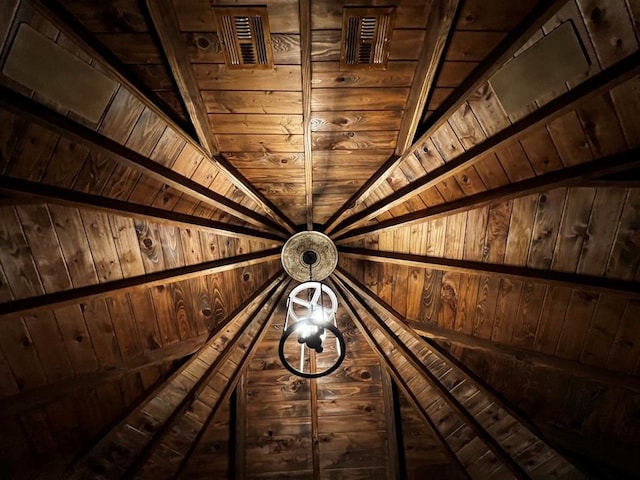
(310, 322)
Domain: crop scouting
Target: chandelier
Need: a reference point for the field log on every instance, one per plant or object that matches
(311, 345)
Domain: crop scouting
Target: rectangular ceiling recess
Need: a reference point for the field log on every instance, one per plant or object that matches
(244, 36)
(366, 37)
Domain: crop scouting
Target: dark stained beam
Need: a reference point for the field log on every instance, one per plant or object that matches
(165, 21)
(547, 277)
(51, 120)
(394, 428)
(592, 87)
(268, 303)
(21, 191)
(386, 335)
(393, 371)
(525, 356)
(305, 68)
(440, 26)
(267, 309)
(369, 301)
(583, 174)
(36, 397)
(53, 11)
(503, 52)
(10, 310)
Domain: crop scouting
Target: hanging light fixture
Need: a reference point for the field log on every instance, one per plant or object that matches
(310, 330)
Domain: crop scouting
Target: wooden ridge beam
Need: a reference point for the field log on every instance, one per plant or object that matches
(580, 175)
(369, 301)
(39, 396)
(440, 26)
(542, 12)
(51, 120)
(165, 21)
(23, 191)
(526, 356)
(53, 11)
(547, 277)
(112, 454)
(393, 371)
(305, 69)
(10, 310)
(399, 346)
(596, 85)
(267, 304)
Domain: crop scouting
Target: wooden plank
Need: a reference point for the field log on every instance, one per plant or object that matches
(566, 177)
(307, 83)
(339, 99)
(252, 102)
(70, 297)
(518, 274)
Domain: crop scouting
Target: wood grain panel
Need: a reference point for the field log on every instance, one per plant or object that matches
(339, 99)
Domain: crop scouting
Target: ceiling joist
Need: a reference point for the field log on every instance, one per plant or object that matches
(424, 370)
(9, 310)
(208, 378)
(36, 397)
(398, 340)
(51, 120)
(23, 191)
(594, 86)
(587, 174)
(442, 17)
(165, 21)
(548, 277)
(542, 12)
(53, 11)
(305, 71)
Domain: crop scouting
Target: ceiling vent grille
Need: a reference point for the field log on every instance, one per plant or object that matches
(366, 36)
(244, 36)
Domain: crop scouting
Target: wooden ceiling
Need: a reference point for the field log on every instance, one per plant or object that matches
(489, 271)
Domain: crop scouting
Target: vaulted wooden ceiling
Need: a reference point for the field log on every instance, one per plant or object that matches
(489, 270)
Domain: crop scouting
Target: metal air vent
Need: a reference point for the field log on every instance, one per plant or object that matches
(244, 36)
(366, 36)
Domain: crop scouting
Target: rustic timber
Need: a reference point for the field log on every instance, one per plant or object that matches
(584, 174)
(36, 397)
(550, 277)
(604, 81)
(442, 17)
(21, 191)
(305, 71)
(164, 18)
(71, 27)
(52, 120)
(450, 399)
(514, 41)
(69, 297)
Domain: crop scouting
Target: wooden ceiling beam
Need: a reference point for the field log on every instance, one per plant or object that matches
(539, 15)
(582, 175)
(592, 87)
(397, 377)
(39, 396)
(525, 356)
(10, 310)
(440, 26)
(305, 69)
(115, 453)
(262, 315)
(548, 277)
(165, 22)
(21, 191)
(53, 11)
(376, 306)
(51, 120)
(385, 341)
